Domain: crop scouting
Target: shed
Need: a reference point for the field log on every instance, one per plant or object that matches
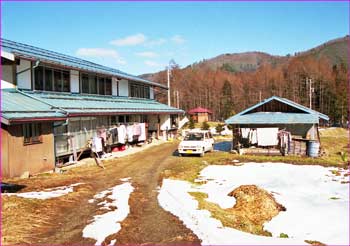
(280, 116)
(200, 114)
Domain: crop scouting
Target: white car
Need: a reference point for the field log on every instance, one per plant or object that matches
(197, 142)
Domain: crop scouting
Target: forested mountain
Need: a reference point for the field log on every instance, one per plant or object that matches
(231, 82)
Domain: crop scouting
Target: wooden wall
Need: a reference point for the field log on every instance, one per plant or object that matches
(18, 158)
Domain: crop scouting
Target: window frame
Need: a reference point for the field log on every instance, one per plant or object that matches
(97, 78)
(28, 131)
(139, 90)
(54, 70)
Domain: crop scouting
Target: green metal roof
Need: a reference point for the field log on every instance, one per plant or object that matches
(307, 116)
(20, 105)
(34, 53)
(16, 105)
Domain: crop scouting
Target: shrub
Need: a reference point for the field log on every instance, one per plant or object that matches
(191, 124)
(219, 128)
(205, 126)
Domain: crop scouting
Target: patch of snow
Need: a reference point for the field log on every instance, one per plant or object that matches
(109, 223)
(174, 198)
(307, 192)
(113, 242)
(46, 193)
(125, 179)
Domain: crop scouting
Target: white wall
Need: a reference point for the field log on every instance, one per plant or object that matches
(123, 88)
(6, 85)
(165, 122)
(151, 92)
(74, 81)
(24, 80)
(7, 73)
(114, 87)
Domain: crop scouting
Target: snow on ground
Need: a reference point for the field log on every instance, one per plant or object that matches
(317, 203)
(45, 194)
(109, 223)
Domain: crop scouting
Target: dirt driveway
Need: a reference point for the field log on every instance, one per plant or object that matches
(61, 220)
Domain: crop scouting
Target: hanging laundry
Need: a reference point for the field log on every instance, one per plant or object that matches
(114, 133)
(97, 145)
(121, 134)
(137, 130)
(130, 133)
(245, 132)
(102, 133)
(267, 136)
(253, 136)
(142, 136)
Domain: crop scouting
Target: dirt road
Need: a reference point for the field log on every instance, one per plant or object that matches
(61, 220)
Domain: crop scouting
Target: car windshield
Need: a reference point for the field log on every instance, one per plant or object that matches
(194, 136)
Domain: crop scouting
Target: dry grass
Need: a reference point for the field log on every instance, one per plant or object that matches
(254, 207)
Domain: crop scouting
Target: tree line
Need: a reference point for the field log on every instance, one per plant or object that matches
(226, 92)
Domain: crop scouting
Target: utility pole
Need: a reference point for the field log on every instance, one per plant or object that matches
(311, 90)
(259, 96)
(177, 99)
(169, 84)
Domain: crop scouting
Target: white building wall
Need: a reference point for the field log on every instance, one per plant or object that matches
(123, 88)
(24, 80)
(114, 86)
(151, 93)
(74, 81)
(6, 85)
(7, 74)
(165, 122)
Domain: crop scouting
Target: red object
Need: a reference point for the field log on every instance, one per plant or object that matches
(116, 149)
(199, 110)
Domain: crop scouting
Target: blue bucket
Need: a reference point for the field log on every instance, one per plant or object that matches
(313, 148)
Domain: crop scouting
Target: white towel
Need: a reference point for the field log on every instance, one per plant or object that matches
(142, 136)
(267, 136)
(121, 134)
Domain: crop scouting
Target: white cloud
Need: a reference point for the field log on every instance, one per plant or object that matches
(156, 42)
(153, 63)
(178, 39)
(148, 54)
(100, 53)
(130, 40)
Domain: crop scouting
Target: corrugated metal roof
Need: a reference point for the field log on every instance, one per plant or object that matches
(77, 103)
(245, 117)
(15, 105)
(31, 52)
(271, 118)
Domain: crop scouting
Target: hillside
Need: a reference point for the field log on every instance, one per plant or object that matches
(229, 83)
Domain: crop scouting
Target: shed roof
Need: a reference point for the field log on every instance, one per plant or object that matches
(199, 110)
(305, 116)
(35, 53)
(17, 105)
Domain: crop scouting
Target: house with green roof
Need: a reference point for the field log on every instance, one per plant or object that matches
(48, 99)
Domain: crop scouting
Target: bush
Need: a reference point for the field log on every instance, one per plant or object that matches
(283, 235)
(191, 124)
(205, 126)
(219, 128)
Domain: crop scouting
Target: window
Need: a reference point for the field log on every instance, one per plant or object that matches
(32, 133)
(93, 84)
(139, 90)
(49, 79)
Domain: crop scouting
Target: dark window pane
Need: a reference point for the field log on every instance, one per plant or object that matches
(48, 79)
(57, 80)
(85, 83)
(39, 78)
(93, 84)
(101, 86)
(108, 87)
(65, 81)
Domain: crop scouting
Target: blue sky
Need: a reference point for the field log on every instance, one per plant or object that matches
(141, 37)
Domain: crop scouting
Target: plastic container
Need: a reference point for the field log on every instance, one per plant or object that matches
(313, 148)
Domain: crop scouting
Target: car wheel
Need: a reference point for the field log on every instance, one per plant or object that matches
(202, 154)
(212, 148)
(180, 154)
